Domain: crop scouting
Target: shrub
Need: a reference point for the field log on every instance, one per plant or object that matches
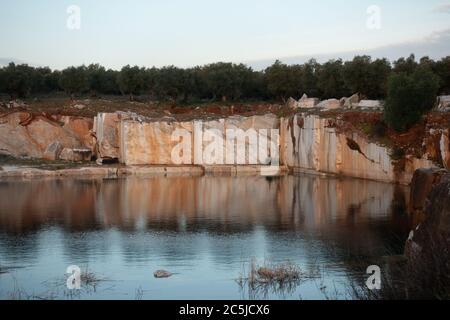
(409, 97)
(397, 153)
(379, 129)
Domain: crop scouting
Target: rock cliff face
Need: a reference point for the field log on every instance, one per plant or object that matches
(165, 142)
(307, 142)
(314, 143)
(26, 135)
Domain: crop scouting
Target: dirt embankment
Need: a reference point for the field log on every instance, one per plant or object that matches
(91, 107)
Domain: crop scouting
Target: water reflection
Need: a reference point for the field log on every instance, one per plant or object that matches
(203, 225)
(214, 204)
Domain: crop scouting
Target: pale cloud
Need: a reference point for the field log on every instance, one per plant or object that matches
(435, 45)
(442, 8)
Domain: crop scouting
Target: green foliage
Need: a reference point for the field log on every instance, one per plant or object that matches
(172, 82)
(131, 80)
(397, 153)
(409, 97)
(226, 80)
(16, 80)
(102, 80)
(223, 81)
(309, 80)
(330, 80)
(284, 81)
(408, 65)
(367, 77)
(442, 70)
(74, 80)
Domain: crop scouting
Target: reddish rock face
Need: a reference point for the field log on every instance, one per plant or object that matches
(26, 135)
(81, 128)
(106, 128)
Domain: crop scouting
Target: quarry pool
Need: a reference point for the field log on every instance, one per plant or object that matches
(206, 230)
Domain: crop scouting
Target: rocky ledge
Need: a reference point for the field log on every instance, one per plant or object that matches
(428, 245)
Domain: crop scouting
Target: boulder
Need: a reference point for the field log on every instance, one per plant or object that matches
(443, 103)
(329, 104)
(16, 104)
(307, 103)
(75, 155)
(370, 104)
(53, 151)
(79, 106)
(303, 103)
(292, 103)
(351, 102)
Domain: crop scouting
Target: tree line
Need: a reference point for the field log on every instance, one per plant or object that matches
(224, 81)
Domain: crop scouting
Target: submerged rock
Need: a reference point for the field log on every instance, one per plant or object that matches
(162, 274)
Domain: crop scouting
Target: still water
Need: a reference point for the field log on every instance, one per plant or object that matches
(205, 230)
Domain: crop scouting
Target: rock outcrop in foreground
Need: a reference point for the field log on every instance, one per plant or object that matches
(428, 246)
(430, 197)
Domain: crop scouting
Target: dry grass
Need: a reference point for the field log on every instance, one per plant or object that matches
(89, 278)
(279, 279)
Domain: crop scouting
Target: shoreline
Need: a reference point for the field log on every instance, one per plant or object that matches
(121, 171)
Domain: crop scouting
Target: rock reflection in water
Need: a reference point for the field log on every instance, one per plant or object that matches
(216, 204)
(206, 225)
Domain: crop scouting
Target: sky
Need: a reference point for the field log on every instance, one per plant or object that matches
(184, 33)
